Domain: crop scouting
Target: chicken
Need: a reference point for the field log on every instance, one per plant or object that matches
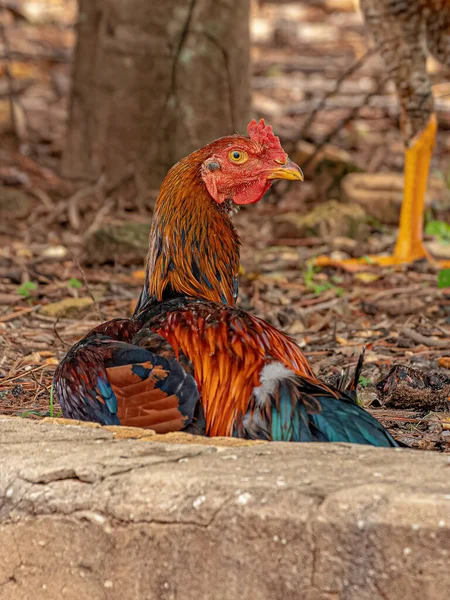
(403, 31)
(252, 380)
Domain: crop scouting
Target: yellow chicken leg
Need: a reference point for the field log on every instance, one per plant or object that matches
(409, 246)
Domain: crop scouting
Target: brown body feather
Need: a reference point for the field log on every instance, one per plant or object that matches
(228, 349)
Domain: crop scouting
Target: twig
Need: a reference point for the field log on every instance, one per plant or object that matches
(423, 339)
(72, 205)
(83, 274)
(102, 212)
(352, 114)
(296, 242)
(321, 306)
(18, 88)
(55, 331)
(39, 383)
(321, 324)
(339, 81)
(392, 291)
(42, 196)
(431, 352)
(8, 379)
(97, 190)
(19, 313)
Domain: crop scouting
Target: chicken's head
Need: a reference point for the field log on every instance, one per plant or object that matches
(241, 169)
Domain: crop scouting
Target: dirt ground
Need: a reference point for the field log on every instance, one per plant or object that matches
(58, 241)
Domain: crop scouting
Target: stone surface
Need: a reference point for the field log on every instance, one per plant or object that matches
(84, 514)
(126, 243)
(328, 219)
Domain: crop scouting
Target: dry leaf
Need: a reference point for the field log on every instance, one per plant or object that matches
(367, 277)
(138, 275)
(51, 361)
(342, 341)
(444, 361)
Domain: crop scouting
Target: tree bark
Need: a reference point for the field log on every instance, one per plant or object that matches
(153, 82)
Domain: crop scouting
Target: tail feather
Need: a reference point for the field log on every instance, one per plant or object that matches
(345, 421)
(299, 411)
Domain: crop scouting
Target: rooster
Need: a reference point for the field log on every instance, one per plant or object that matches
(189, 359)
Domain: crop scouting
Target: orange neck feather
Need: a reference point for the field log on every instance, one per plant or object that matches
(194, 248)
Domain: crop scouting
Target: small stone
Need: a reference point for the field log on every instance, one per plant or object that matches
(198, 502)
(242, 499)
(17, 391)
(55, 252)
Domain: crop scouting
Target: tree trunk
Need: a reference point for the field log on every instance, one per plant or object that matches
(154, 81)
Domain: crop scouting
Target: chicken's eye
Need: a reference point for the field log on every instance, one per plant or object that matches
(238, 156)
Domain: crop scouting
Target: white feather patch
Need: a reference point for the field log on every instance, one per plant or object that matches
(271, 375)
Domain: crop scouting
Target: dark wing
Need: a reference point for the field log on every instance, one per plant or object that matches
(298, 411)
(116, 383)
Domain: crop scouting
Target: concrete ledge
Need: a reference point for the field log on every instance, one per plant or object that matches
(86, 516)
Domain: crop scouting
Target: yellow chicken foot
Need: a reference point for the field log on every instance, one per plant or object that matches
(409, 246)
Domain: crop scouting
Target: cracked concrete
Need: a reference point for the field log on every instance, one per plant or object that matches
(90, 512)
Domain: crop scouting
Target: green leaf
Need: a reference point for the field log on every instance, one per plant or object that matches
(25, 289)
(31, 413)
(51, 406)
(444, 278)
(439, 229)
(74, 283)
(364, 381)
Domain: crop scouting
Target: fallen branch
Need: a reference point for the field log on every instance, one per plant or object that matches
(423, 339)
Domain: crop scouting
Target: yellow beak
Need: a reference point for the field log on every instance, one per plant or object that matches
(287, 171)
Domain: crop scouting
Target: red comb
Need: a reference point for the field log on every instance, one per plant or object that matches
(263, 134)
